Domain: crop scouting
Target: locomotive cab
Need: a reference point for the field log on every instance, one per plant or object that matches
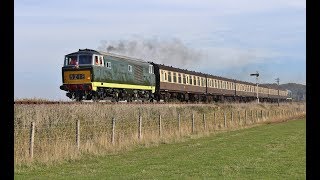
(77, 73)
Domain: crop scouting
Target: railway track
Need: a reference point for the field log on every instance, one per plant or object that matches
(100, 102)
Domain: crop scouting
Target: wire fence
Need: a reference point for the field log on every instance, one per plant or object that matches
(45, 138)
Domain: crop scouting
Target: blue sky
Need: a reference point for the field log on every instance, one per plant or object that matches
(236, 37)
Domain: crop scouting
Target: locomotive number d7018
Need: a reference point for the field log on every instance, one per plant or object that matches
(76, 76)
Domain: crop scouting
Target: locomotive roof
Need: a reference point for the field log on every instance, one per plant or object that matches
(126, 58)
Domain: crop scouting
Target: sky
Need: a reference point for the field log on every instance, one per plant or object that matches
(220, 37)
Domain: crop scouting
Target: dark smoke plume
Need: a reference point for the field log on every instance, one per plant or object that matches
(170, 52)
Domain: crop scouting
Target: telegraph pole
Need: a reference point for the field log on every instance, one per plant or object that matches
(277, 80)
(257, 75)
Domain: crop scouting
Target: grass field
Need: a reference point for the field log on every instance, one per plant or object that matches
(269, 151)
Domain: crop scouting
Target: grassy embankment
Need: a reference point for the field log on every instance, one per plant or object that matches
(269, 151)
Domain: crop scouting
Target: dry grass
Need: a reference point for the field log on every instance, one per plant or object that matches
(55, 132)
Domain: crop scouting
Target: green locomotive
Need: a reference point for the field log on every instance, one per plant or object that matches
(88, 74)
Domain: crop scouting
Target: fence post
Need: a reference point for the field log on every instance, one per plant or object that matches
(160, 125)
(204, 122)
(113, 129)
(225, 119)
(245, 117)
(192, 122)
(214, 119)
(139, 126)
(261, 115)
(179, 123)
(78, 134)
(252, 116)
(31, 139)
(257, 117)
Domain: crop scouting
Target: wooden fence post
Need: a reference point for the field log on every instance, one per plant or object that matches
(78, 134)
(113, 129)
(204, 122)
(239, 117)
(225, 119)
(192, 122)
(245, 117)
(214, 119)
(261, 116)
(160, 125)
(31, 139)
(252, 120)
(139, 126)
(179, 123)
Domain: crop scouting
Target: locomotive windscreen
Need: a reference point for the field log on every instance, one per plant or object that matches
(78, 59)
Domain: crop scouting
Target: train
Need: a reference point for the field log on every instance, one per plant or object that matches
(96, 75)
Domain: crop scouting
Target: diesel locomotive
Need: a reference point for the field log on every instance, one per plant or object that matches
(95, 75)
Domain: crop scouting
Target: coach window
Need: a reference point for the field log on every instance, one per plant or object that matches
(179, 78)
(162, 78)
(174, 77)
(187, 79)
(169, 76)
(195, 80)
(190, 80)
(165, 76)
